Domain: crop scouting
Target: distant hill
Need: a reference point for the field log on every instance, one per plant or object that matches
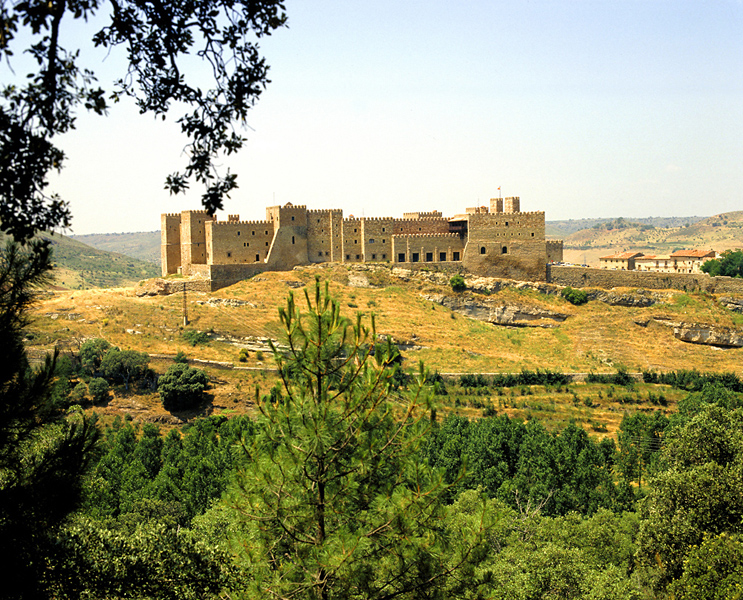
(562, 229)
(719, 233)
(80, 266)
(144, 245)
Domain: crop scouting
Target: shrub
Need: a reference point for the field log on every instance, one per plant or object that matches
(194, 337)
(576, 297)
(457, 283)
(98, 389)
(181, 357)
(243, 356)
(182, 387)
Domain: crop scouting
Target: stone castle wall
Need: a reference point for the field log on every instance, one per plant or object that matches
(435, 247)
(604, 278)
(324, 235)
(238, 242)
(554, 251)
(170, 243)
(508, 245)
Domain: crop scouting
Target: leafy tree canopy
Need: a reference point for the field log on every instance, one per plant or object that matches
(182, 387)
(161, 39)
(730, 264)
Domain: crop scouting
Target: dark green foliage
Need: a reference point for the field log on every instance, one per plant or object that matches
(98, 388)
(92, 353)
(180, 357)
(641, 437)
(621, 377)
(125, 366)
(43, 450)
(160, 42)
(194, 337)
(576, 297)
(457, 283)
(694, 381)
(181, 387)
(713, 570)
(730, 264)
(525, 377)
(698, 493)
(523, 463)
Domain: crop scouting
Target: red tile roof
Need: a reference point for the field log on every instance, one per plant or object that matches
(693, 254)
(623, 255)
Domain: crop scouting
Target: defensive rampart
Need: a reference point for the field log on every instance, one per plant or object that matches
(606, 279)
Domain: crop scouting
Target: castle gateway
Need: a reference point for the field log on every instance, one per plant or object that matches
(494, 241)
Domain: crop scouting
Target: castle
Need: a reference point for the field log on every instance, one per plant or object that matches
(494, 241)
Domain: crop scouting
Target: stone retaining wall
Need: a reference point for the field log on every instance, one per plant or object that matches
(580, 277)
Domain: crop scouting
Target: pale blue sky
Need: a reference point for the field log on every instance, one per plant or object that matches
(583, 108)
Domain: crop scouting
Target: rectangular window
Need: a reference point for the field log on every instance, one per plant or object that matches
(371, 241)
(442, 256)
(401, 257)
(348, 257)
(382, 229)
(374, 257)
(266, 243)
(257, 258)
(358, 256)
(429, 256)
(455, 255)
(415, 257)
(229, 254)
(384, 257)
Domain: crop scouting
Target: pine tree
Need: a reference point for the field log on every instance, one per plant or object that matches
(335, 499)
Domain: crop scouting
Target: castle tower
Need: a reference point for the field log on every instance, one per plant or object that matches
(512, 205)
(496, 205)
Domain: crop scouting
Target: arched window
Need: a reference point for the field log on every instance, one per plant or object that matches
(504, 250)
(482, 249)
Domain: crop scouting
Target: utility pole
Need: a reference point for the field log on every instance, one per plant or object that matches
(185, 306)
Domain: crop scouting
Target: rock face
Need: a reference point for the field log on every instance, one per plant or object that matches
(638, 299)
(734, 304)
(499, 313)
(700, 333)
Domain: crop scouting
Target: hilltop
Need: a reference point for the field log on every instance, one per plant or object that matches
(424, 317)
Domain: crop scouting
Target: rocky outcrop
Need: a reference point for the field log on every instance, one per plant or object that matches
(640, 298)
(699, 333)
(734, 304)
(499, 313)
(217, 302)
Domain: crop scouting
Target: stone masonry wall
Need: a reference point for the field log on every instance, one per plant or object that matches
(323, 235)
(238, 242)
(506, 245)
(436, 247)
(377, 239)
(170, 243)
(607, 279)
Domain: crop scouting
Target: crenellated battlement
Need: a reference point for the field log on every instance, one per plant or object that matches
(426, 235)
(172, 215)
(235, 223)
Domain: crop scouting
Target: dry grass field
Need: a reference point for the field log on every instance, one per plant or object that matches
(594, 338)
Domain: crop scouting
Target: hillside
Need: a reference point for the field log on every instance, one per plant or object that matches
(595, 337)
(720, 232)
(79, 266)
(562, 229)
(144, 245)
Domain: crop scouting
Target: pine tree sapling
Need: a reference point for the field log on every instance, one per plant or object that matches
(335, 499)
